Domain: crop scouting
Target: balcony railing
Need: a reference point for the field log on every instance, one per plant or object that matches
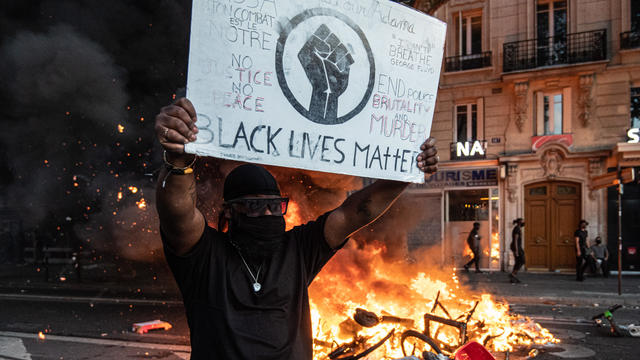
(467, 62)
(570, 49)
(630, 40)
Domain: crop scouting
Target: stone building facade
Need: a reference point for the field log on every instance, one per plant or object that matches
(536, 100)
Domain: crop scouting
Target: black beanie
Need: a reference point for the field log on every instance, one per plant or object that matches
(249, 179)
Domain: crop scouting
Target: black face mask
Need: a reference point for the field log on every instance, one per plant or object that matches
(257, 238)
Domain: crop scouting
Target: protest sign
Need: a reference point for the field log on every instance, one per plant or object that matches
(341, 86)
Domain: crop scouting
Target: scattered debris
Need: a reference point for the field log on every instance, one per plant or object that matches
(144, 327)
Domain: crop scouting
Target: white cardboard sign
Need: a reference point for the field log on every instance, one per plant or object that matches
(341, 86)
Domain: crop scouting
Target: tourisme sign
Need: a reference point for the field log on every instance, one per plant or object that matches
(341, 86)
(462, 178)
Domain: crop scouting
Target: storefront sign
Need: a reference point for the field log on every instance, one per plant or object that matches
(469, 150)
(342, 86)
(634, 135)
(462, 178)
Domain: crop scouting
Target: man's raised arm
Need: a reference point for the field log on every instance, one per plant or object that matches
(368, 204)
(180, 221)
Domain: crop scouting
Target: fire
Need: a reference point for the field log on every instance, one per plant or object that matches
(398, 294)
(495, 248)
(41, 335)
(133, 189)
(292, 217)
(120, 128)
(119, 196)
(142, 204)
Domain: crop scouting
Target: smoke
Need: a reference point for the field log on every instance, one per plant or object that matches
(83, 83)
(66, 95)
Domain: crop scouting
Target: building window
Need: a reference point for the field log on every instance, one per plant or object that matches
(468, 205)
(551, 22)
(468, 33)
(635, 15)
(552, 112)
(634, 109)
(469, 122)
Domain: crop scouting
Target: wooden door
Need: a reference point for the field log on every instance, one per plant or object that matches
(566, 210)
(552, 212)
(537, 228)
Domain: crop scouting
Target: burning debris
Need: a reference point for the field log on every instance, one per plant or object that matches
(368, 304)
(449, 322)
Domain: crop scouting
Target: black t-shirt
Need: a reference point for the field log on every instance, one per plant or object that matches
(582, 240)
(227, 319)
(473, 239)
(516, 239)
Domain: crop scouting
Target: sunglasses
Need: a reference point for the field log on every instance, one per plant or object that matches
(254, 207)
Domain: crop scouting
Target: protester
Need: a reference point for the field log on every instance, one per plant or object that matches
(245, 289)
(600, 256)
(473, 240)
(517, 249)
(582, 245)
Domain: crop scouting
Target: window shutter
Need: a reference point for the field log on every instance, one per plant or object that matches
(566, 110)
(539, 113)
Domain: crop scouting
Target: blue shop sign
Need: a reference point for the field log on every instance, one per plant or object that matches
(462, 178)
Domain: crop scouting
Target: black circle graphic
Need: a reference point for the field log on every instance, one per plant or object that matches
(297, 20)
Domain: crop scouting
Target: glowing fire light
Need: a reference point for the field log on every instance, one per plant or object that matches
(359, 277)
(133, 189)
(41, 335)
(142, 204)
(495, 248)
(120, 128)
(119, 196)
(292, 217)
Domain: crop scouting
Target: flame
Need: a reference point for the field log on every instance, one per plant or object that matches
(41, 335)
(133, 189)
(292, 217)
(142, 204)
(358, 277)
(119, 196)
(495, 248)
(120, 128)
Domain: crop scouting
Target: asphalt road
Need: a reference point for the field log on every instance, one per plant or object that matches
(99, 328)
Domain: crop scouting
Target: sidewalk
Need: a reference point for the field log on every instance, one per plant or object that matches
(155, 283)
(556, 288)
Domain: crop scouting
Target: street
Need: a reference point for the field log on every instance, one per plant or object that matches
(89, 327)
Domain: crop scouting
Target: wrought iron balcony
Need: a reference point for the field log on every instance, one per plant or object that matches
(570, 49)
(467, 62)
(630, 40)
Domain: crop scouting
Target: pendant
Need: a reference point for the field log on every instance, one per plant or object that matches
(256, 286)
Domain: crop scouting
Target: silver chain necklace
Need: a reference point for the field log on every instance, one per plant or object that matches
(256, 285)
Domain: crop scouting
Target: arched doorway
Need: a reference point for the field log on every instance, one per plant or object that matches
(552, 212)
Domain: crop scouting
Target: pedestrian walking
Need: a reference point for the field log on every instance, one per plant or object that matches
(473, 240)
(517, 249)
(600, 256)
(582, 245)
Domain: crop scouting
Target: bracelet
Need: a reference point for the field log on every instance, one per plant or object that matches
(172, 169)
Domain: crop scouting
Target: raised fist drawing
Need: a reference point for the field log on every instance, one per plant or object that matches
(326, 61)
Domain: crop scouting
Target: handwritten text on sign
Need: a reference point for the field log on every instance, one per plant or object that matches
(343, 86)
